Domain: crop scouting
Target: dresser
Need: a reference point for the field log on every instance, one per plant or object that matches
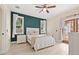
(21, 38)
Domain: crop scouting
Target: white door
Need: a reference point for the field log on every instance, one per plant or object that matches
(0, 30)
(4, 29)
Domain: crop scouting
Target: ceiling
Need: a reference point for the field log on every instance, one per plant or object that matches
(29, 9)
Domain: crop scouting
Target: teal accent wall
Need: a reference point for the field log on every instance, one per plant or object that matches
(29, 21)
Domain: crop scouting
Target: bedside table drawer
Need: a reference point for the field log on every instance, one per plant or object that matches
(21, 38)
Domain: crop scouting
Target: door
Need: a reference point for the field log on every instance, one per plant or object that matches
(4, 29)
(0, 30)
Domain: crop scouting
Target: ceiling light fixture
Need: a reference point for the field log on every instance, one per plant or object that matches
(45, 7)
(17, 7)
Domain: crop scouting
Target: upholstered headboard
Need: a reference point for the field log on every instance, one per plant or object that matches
(32, 31)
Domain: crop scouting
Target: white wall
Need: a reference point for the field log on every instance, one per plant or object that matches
(52, 26)
(53, 23)
(74, 43)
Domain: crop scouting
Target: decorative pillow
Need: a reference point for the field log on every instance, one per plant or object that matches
(32, 31)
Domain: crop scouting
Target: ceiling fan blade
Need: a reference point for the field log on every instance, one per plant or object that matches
(47, 11)
(39, 6)
(41, 11)
(51, 6)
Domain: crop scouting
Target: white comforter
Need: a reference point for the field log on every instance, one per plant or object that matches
(41, 41)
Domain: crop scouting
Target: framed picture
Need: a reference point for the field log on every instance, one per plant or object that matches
(43, 26)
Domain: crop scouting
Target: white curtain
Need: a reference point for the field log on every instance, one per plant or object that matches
(14, 25)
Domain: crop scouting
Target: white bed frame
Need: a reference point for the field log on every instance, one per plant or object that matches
(41, 41)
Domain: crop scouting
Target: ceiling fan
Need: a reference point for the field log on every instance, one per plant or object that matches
(45, 7)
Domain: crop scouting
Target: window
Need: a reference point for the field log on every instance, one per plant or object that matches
(20, 25)
(43, 26)
(72, 25)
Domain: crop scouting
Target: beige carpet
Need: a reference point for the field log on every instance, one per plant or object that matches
(25, 49)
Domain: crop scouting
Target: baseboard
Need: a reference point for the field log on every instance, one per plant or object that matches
(65, 41)
(3, 52)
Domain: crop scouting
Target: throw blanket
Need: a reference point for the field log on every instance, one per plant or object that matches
(33, 41)
(41, 42)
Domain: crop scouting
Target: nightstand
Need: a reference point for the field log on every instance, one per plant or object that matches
(21, 38)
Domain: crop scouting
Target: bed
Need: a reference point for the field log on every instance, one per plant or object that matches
(38, 41)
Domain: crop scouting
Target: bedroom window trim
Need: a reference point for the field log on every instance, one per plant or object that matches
(15, 17)
(22, 25)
